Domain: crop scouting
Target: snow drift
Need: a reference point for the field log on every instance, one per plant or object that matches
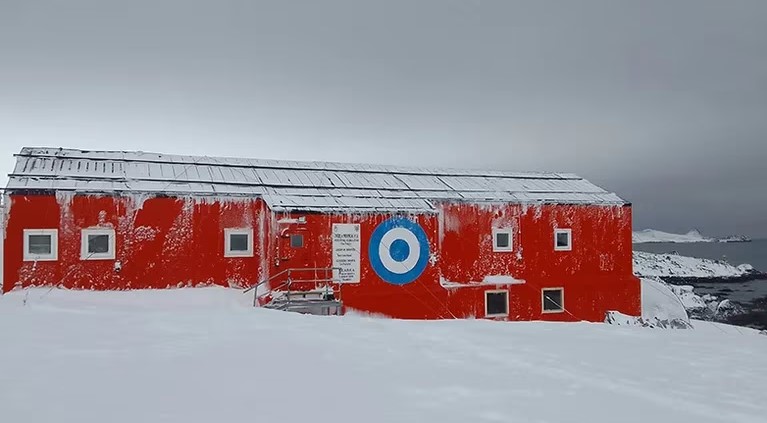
(203, 355)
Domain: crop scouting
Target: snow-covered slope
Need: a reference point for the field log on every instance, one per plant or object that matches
(651, 235)
(202, 355)
(672, 265)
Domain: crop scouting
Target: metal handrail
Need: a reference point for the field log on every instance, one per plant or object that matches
(289, 281)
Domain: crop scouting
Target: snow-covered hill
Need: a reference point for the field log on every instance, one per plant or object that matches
(203, 355)
(651, 235)
(672, 265)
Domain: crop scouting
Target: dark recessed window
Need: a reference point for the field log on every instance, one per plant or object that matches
(296, 241)
(553, 300)
(496, 303)
(40, 244)
(98, 244)
(502, 239)
(563, 239)
(238, 242)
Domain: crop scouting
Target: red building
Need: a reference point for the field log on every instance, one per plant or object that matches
(402, 242)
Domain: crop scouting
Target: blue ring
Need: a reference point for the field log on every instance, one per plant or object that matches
(375, 258)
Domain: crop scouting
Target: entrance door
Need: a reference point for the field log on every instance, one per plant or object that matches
(293, 248)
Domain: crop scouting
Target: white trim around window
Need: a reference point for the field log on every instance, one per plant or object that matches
(561, 304)
(32, 241)
(500, 248)
(505, 292)
(96, 251)
(569, 233)
(236, 250)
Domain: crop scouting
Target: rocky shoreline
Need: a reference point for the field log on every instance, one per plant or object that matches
(718, 306)
(705, 287)
(694, 280)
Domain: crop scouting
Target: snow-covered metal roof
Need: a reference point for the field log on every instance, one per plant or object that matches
(289, 185)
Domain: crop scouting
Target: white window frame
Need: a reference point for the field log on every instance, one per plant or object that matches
(510, 232)
(569, 233)
(53, 256)
(84, 233)
(497, 291)
(543, 300)
(228, 232)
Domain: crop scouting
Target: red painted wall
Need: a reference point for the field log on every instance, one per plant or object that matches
(160, 242)
(596, 274)
(422, 299)
(166, 242)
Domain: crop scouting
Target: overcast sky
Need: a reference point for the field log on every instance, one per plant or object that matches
(663, 102)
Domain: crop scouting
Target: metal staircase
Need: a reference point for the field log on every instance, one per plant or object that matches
(313, 295)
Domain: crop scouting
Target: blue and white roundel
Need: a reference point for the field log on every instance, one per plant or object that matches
(398, 250)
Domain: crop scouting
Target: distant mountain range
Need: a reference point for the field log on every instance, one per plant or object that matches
(652, 235)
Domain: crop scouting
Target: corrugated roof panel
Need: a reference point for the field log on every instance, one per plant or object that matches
(423, 182)
(315, 184)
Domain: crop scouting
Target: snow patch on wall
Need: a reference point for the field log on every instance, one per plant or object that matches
(144, 233)
(502, 280)
(490, 280)
(452, 222)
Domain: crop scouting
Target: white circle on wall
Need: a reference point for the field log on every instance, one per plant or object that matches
(384, 250)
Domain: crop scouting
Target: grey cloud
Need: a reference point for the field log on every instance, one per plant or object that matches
(663, 102)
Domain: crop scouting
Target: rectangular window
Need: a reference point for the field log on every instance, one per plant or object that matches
(563, 239)
(496, 303)
(502, 239)
(238, 242)
(97, 244)
(296, 241)
(41, 244)
(553, 300)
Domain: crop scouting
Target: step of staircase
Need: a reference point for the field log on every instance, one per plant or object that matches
(307, 302)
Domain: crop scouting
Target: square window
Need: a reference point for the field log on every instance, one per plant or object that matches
(553, 300)
(563, 239)
(97, 244)
(40, 244)
(496, 303)
(238, 242)
(296, 241)
(502, 239)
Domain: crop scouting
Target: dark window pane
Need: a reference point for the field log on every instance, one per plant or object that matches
(40, 244)
(552, 300)
(497, 303)
(238, 242)
(563, 239)
(502, 240)
(98, 244)
(297, 241)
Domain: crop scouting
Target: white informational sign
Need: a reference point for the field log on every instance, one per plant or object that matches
(346, 252)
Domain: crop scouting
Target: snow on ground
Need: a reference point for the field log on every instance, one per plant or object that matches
(651, 235)
(673, 265)
(203, 355)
